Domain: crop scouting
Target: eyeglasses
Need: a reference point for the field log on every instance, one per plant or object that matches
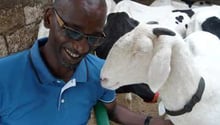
(93, 41)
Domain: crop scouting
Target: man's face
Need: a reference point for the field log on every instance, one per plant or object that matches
(77, 28)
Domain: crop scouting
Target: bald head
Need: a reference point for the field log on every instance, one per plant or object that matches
(95, 9)
(91, 3)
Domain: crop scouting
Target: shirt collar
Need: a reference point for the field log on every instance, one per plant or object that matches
(39, 66)
(42, 71)
(81, 71)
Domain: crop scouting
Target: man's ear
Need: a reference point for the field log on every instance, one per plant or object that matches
(48, 17)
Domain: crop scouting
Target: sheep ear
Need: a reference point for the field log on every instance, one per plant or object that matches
(163, 31)
(159, 68)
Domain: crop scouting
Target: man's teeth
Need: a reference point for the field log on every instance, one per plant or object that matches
(71, 54)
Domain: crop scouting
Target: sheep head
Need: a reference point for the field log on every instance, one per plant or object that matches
(140, 56)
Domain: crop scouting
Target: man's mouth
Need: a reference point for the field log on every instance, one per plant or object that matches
(71, 54)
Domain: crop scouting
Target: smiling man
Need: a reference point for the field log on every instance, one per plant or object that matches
(56, 82)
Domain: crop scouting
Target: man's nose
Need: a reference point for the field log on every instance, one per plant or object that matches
(81, 45)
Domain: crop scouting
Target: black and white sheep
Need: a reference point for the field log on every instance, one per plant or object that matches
(205, 19)
(117, 25)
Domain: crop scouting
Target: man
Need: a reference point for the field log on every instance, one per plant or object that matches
(57, 82)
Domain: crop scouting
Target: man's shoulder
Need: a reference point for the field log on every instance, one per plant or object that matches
(15, 59)
(13, 67)
(94, 65)
(94, 60)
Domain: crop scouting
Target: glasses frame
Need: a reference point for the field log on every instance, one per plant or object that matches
(82, 35)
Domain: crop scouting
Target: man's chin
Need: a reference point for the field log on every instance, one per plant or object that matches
(70, 66)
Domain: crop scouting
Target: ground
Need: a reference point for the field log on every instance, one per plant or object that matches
(136, 105)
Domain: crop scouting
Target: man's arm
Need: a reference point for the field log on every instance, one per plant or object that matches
(122, 115)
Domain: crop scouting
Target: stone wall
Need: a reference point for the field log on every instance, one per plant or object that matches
(19, 20)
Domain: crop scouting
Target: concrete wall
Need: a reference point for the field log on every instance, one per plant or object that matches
(19, 20)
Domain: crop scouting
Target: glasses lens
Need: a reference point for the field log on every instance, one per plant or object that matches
(76, 35)
(95, 41)
(92, 39)
(73, 34)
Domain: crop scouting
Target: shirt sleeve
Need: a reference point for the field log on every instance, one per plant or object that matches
(1, 103)
(108, 96)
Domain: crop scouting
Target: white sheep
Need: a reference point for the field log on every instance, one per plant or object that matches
(180, 4)
(42, 31)
(166, 15)
(171, 66)
(143, 13)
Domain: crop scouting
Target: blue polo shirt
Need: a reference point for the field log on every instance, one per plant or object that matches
(31, 95)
